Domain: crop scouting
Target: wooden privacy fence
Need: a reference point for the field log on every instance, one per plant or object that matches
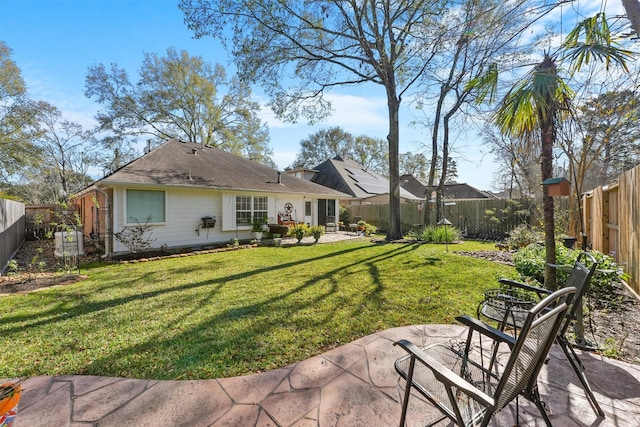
(467, 215)
(39, 219)
(12, 220)
(612, 222)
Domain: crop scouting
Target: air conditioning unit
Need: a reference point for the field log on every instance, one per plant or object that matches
(208, 222)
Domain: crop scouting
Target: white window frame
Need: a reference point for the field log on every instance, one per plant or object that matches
(251, 206)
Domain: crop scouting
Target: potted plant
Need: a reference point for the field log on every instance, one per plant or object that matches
(370, 229)
(277, 240)
(361, 226)
(257, 229)
(299, 231)
(317, 231)
(9, 398)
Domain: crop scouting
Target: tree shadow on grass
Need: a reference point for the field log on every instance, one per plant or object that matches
(238, 337)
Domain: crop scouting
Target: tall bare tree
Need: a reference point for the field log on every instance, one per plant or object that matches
(297, 50)
(483, 37)
(68, 152)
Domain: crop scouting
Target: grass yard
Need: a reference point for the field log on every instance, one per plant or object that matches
(236, 312)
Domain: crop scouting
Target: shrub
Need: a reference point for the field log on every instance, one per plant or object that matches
(317, 229)
(530, 264)
(370, 229)
(523, 236)
(416, 233)
(12, 267)
(134, 237)
(343, 216)
(440, 234)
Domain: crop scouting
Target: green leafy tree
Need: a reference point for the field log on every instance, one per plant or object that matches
(297, 50)
(414, 164)
(329, 143)
(178, 96)
(611, 143)
(18, 122)
(323, 145)
(372, 153)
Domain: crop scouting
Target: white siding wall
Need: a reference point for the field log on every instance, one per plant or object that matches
(295, 200)
(184, 210)
(186, 207)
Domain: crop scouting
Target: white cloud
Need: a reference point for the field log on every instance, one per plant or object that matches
(356, 114)
(283, 158)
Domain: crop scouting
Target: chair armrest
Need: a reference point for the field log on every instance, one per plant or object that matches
(541, 292)
(444, 374)
(486, 330)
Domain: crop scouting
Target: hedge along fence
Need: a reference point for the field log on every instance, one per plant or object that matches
(467, 215)
(12, 220)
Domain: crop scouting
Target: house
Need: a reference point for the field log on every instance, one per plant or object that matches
(348, 176)
(458, 191)
(193, 196)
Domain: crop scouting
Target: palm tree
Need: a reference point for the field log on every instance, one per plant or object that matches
(538, 103)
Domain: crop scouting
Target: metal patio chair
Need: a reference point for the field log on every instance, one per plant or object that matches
(509, 304)
(456, 380)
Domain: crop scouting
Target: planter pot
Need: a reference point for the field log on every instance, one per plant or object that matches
(9, 404)
(316, 236)
(277, 241)
(569, 242)
(299, 237)
(257, 235)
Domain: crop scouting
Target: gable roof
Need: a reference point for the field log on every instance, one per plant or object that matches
(349, 176)
(451, 191)
(185, 164)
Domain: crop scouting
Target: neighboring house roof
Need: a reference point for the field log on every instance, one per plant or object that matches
(186, 164)
(451, 191)
(348, 176)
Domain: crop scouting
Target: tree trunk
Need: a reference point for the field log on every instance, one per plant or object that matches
(395, 229)
(547, 129)
(632, 7)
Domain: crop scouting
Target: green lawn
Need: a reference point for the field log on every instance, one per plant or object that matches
(236, 312)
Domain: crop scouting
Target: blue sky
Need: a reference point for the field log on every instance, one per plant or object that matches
(55, 41)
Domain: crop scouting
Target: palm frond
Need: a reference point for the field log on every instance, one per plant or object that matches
(598, 44)
(484, 84)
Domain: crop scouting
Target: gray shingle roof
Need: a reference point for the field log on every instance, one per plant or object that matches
(185, 164)
(451, 191)
(351, 177)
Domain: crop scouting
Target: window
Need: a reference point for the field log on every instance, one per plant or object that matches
(307, 208)
(145, 206)
(250, 208)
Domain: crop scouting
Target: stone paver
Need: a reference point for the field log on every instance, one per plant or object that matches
(353, 385)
